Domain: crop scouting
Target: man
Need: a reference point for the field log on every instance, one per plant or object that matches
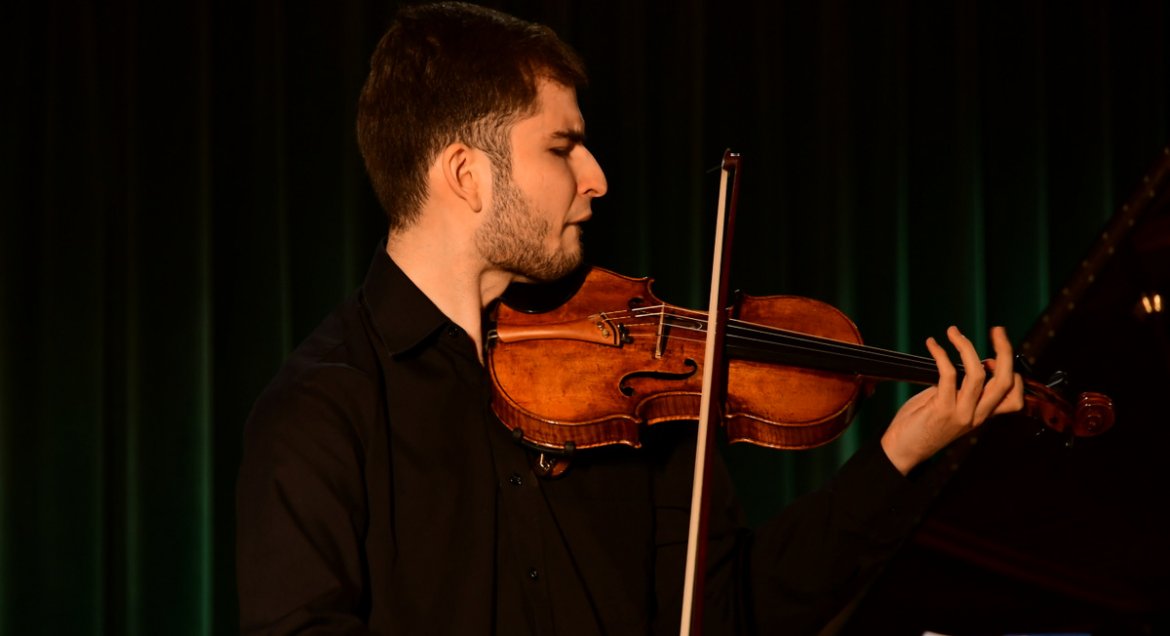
(378, 494)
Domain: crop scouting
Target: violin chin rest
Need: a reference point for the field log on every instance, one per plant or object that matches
(541, 297)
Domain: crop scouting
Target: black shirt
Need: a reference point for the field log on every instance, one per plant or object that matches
(378, 494)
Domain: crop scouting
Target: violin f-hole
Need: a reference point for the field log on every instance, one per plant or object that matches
(627, 390)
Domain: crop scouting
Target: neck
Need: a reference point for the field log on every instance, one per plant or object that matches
(447, 269)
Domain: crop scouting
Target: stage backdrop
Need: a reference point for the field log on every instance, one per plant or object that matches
(182, 201)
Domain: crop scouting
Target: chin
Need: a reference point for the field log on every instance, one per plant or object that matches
(555, 267)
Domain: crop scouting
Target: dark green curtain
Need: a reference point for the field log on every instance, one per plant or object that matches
(182, 201)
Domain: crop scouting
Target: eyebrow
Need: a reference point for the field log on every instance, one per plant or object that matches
(576, 137)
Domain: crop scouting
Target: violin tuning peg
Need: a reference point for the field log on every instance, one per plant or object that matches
(1023, 365)
(1057, 379)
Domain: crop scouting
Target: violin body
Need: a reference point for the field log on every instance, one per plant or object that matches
(573, 377)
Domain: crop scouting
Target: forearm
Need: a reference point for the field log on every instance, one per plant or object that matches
(806, 564)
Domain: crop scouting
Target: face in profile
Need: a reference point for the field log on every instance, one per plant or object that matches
(533, 227)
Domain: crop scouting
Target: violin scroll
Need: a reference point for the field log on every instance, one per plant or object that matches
(1094, 414)
(1091, 415)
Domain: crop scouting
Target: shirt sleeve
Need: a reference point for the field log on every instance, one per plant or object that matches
(301, 515)
(805, 565)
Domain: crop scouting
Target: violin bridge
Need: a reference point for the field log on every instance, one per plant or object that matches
(660, 345)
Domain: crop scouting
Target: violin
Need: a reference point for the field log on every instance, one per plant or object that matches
(592, 360)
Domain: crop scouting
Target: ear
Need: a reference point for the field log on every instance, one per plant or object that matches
(465, 171)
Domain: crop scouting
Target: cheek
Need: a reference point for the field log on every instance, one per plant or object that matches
(556, 192)
(558, 175)
(552, 190)
(567, 187)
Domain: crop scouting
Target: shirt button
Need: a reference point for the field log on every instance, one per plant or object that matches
(515, 480)
(533, 574)
(454, 331)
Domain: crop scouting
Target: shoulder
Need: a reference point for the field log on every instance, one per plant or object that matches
(328, 388)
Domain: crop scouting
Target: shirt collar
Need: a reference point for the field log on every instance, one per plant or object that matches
(400, 311)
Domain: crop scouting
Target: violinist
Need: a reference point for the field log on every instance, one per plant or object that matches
(378, 494)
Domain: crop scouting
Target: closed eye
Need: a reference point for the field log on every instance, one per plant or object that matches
(566, 141)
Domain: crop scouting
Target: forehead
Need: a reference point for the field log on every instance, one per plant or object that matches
(556, 111)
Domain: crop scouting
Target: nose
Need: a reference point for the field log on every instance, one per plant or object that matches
(590, 177)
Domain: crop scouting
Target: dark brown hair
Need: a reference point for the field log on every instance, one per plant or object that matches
(445, 73)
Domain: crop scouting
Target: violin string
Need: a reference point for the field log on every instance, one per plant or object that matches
(870, 361)
(743, 331)
(926, 365)
(849, 350)
(765, 335)
(894, 367)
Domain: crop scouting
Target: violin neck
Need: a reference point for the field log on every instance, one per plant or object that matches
(776, 346)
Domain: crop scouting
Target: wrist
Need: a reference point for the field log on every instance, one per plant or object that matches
(902, 460)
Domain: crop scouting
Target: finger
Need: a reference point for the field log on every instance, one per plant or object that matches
(1001, 366)
(972, 387)
(1003, 379)
(946, 372)
(1003, 350)
(1015, 397)
(1015, 400)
